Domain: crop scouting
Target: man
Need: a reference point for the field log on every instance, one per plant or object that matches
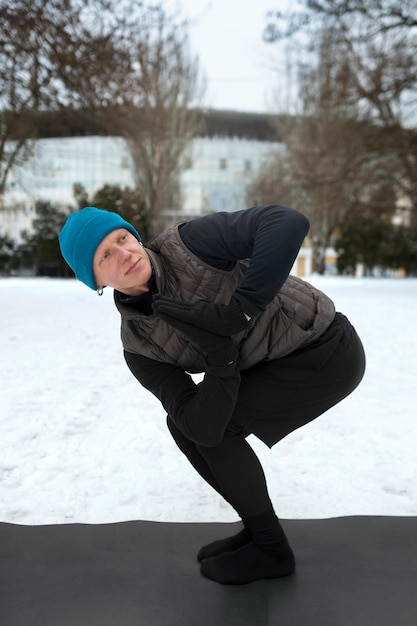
(214, 295)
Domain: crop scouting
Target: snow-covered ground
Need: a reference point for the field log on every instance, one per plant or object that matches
(81, 441)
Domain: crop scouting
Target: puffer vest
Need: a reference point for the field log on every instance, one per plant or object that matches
(298, 314)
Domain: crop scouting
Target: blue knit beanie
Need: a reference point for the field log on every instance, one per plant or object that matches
(81, 235)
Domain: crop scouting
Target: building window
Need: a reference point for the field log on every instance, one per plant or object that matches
(248, 166)
(223, 164)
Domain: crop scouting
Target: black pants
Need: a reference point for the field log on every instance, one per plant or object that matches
(276, 398)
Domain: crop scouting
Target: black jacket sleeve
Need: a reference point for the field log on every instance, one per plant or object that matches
(270, 236)
(201, 411)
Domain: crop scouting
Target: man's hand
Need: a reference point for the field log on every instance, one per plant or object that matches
(222, 319)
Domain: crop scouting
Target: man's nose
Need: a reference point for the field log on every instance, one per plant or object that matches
(122, 253)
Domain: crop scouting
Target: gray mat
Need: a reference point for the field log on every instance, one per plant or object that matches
(351, 571)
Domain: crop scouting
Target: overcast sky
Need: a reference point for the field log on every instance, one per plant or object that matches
(238, 65)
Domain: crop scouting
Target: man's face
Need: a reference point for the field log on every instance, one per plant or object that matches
(122, 263)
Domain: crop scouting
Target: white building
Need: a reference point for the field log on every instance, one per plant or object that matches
(50, 173)
(220, 171)
(217, 171)
(216, 175)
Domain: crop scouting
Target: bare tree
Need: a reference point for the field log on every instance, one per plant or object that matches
(125, 65)
(385, 15)
(385, 73)
(379, 41)
(382, 15)
(327, 161)
(47, 48)
(156, 111)
(273, 184)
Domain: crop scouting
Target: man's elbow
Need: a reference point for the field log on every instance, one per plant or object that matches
(302, 222)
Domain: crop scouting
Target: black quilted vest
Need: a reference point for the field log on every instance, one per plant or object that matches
(298, 314)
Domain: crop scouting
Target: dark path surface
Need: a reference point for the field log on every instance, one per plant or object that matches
(351, 571)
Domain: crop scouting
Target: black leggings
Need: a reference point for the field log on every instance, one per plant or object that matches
(231, 468)
(276, 398)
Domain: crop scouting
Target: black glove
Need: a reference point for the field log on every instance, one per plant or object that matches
(223, 319)
(219, 351)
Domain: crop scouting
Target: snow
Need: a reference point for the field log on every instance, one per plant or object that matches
(81, 441)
